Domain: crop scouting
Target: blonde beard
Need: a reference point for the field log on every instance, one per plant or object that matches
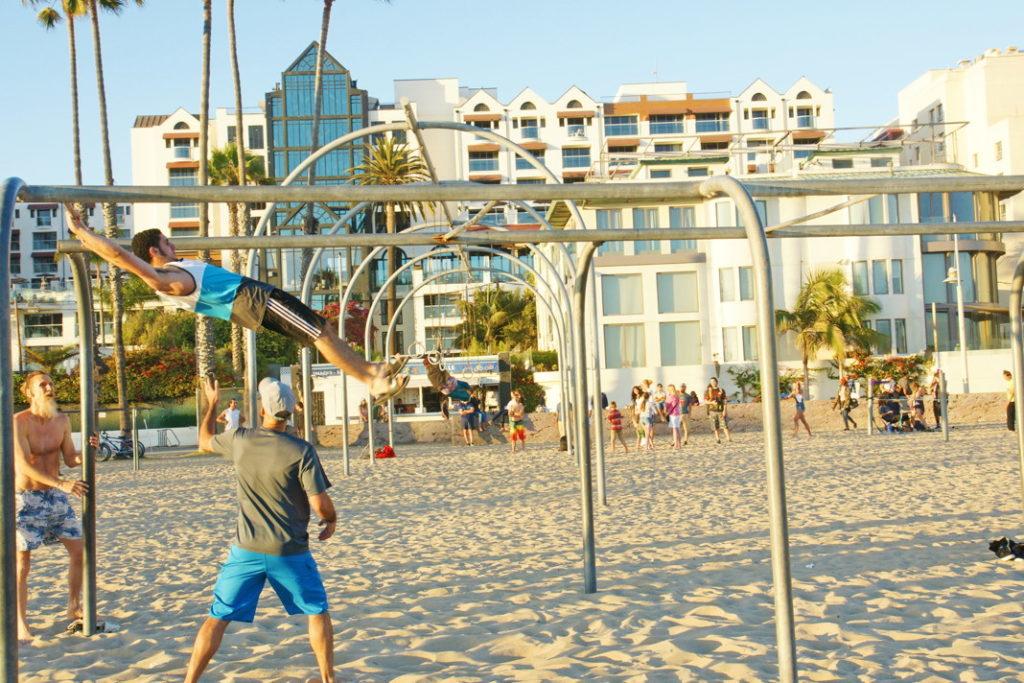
(44, 407)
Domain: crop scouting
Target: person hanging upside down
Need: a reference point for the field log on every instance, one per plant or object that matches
(443, 382)
(218, 293)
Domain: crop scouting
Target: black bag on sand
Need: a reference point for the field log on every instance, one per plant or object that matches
(1004, 547)
(563, 443)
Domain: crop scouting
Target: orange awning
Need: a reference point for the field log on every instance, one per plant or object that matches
(482, 117)
(576, 114)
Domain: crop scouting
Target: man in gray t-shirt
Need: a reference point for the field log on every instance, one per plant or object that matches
(279, 482)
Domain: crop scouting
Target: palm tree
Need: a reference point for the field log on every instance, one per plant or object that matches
(49, 359)
(224, 171)
(204, 326)
(388, 162)
(827, 315)
(498, 319)
(109, 217)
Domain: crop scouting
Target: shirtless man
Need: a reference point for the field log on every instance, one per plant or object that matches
(208, 290)
(42, 437)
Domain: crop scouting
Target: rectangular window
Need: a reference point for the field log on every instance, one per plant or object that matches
(759, 119)
(523, 163)
(667, 147)
(934, 267)
(15, 264)
(749, 334)
(255, 137)
(38, 325)
(483, 161)
(724, 215)
(880, 277)
(620, 125)
(892, 202)
(712, 122)
(677, 292)
(44, 241)
(622, 295)
(697, 171)
(645, 219)
(441, 337)
(761, 206)
(746, 274)
(842, 163)
(730, 345)
(681, 217)
(664, 124)
(440, 305)
(610, 219)
(44, 217)
(680, 343)
(860, 278)
(875, 213)
(804, 117)
(661, 173)
(624, 346)
(727, 284)
(897, 276)
(901, 335)
(529, 128)
(575, 157)
(884, 328)
(43, 265)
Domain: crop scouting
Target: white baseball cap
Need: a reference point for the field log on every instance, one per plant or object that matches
(277, 398)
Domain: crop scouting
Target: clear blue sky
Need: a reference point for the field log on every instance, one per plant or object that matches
(864, 51)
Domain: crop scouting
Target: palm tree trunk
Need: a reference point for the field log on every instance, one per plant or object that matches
(76, 143)
(204, 328)
(807, 376)
(237, 350)
(309, 224)
(110, 222)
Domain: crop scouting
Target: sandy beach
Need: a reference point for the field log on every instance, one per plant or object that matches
(463, 564)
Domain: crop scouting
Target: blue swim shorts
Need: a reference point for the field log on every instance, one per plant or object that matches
(295, 579)
(43, 517)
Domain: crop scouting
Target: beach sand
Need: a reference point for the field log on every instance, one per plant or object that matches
(464, 564)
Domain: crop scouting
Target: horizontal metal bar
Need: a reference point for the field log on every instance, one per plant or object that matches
(629, 193)
(564, 236)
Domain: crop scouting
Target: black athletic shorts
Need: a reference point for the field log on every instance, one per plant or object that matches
(288, 316)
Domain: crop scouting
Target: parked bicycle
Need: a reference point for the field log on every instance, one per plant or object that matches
(117, 447)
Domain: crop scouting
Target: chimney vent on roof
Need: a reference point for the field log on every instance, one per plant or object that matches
(964, 63)
(992, 52)
(1012, 49)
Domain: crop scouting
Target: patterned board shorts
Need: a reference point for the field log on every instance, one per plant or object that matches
(44, 517)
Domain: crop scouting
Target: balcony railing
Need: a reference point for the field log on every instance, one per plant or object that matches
(182, 152)
(576, 131)
(805, 122)
(483, 165)
(761, 123)
(530, 131)
(715, 126)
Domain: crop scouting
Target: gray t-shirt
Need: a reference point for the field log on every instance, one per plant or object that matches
(276, 472)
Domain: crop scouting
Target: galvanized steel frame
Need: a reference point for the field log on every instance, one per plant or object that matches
(752, 230)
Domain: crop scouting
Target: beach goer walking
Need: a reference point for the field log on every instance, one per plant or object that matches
(660, 397)
(843, 403)
(516, 412)
(231, 417)
(797, 394)
(614, 418)
(686, 401)
(716, 400)
(467, 414)
(279, 482)
(1011, 401)
(935, 389)
(648, 413)
(42, 508)
(673, 410)
(212, 291)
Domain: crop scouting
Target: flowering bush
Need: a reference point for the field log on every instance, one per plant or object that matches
(891, 367)
(748, 379)
(356, 314)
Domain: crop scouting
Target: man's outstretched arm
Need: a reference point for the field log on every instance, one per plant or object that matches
(176, 283)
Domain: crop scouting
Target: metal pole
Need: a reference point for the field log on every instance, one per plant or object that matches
(87, 341)
(962, 325)
(1017, 347)
(135, 438)
(580, 409)
(595, 380)
(8, 593)
(779, 534)
(871, 406)
(944, 407)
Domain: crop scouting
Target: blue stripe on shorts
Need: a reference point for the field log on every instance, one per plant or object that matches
(295, 579)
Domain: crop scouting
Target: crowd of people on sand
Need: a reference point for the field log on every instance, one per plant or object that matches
(901, 404)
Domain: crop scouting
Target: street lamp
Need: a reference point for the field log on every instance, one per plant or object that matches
(953, 277)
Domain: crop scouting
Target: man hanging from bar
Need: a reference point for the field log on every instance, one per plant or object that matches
(212, 291)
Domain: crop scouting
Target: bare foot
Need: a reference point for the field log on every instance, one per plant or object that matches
(25, 636)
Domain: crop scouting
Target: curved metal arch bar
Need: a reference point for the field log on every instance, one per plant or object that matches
(8, 593)
(779, 534)
(1017, 346)
(366, 264)
(409, 264)
(563, 350)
